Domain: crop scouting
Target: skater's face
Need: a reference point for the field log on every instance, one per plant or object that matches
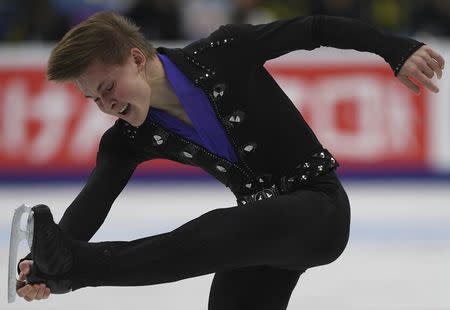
(119, 90)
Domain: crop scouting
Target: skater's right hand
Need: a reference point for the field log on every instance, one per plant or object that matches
(30, 292)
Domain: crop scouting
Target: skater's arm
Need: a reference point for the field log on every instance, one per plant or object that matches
(87, 212)
(114, 167)
(115, 164)
(266, 41)
(258, 43)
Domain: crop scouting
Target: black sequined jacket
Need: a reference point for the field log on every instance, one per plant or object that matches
(266, 130)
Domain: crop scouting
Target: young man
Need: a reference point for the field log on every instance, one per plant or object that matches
(213, 105)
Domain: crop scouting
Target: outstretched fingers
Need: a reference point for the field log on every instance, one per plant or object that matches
(421, 66)
(436, 56)
(408, 83)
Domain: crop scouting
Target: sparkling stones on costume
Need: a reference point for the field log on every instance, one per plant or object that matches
(269, 194)
(218, 90)
(249, 148)
(187, 154)
(234, 119)
(129, 130)
(213, 44)
(158, 139)
(221, 168)
(223, 165)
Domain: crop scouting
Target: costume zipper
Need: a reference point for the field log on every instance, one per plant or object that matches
(200, 148)
(229, 135)
(216, 111)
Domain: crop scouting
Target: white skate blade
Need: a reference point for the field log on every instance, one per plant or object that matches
(17, 235)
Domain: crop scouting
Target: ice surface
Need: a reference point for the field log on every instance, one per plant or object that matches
(398, 256)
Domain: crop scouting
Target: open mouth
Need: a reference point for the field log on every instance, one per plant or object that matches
(125, 109)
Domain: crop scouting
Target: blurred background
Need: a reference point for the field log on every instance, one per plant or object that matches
(393, 147)
(48, 20)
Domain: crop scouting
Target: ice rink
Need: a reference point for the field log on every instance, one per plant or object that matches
(398, 256)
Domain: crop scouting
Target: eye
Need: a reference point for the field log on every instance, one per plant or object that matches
(111, 87)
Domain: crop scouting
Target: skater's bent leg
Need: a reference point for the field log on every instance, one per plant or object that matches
(254, 287)
(299, 230)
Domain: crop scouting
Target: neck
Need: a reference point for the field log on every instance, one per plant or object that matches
(162, 95)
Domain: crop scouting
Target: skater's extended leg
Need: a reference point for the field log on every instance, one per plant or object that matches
(298, 231)
(254, 287)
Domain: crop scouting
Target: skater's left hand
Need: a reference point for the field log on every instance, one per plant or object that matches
(421, 66)
(30, 292)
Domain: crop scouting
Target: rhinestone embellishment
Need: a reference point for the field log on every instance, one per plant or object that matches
(249, 148)
(235, 119)
(158, 139)
(187, 154)
(221, 169)
(218, 90)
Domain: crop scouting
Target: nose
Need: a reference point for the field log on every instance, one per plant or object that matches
(110, 103)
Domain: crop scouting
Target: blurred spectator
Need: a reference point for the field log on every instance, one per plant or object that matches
(48, 20)
(432, 17)
(79, 10)
(7, 11)
(391, 15)
(36, 20)
(346, 8)
(201, 17)
(288, 8)
(251, 12)
(158, 19)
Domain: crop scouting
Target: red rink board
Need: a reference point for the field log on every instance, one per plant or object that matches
(363, 115)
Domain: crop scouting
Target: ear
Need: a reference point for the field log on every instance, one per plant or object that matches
(138, 57)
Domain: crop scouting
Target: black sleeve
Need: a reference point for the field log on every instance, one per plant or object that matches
(115, 164)
(114, 167)
(267, 41)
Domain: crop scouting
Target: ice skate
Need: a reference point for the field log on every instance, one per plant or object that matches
(50, 250)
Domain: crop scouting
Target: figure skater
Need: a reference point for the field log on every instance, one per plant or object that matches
(213, 105)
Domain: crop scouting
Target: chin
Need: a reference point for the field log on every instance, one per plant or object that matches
(136, 122)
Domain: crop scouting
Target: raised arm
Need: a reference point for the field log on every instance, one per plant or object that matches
(259, 43)
(266, 41)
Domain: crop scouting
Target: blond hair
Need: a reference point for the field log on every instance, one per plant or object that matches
(104, 36)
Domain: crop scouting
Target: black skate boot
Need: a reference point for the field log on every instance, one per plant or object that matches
(50, 251)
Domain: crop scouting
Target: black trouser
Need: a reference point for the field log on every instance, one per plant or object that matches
(257, 251)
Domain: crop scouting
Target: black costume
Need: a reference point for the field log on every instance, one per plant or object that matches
(292, 212)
